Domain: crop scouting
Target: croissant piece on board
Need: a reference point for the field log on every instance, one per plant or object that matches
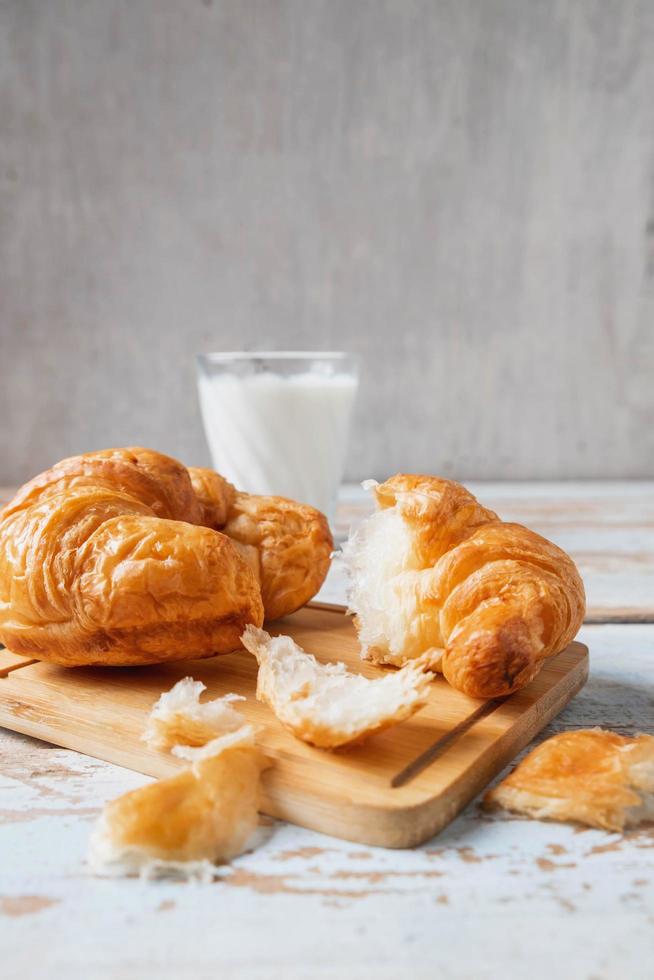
(590, 775)
(123, 557)
(180, 718)
(434, 571)
(324, 704)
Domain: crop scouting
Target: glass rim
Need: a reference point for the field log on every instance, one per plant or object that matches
(276, 355)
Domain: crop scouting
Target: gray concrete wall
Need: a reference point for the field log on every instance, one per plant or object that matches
(461, 190)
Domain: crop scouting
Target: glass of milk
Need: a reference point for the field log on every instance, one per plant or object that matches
(278, 422)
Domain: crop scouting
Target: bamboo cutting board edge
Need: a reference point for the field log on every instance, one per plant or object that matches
(327, 792)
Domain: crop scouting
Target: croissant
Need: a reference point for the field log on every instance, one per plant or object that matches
(590, 775)
(433, 570)
(113, 558)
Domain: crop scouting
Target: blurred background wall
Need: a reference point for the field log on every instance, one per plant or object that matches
(461, 190)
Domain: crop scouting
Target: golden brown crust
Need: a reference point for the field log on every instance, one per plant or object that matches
(215, 495)
(591, 776)
(492, 599)
(103, 560)
(294, 545)
(440, 512)
(125, 557)
(158, 481)
(287, 544)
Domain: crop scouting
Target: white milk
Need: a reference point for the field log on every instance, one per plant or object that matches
(274, 434)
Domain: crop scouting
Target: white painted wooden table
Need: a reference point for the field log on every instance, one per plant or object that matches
(490, 896)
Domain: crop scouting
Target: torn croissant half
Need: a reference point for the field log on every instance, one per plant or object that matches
(435, 573)
(591, 776)
(203, 815)
(325, 704)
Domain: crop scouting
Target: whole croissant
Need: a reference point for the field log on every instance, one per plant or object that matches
(433, 570)
(117, 558)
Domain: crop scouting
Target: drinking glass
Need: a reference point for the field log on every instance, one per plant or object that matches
(277, 422)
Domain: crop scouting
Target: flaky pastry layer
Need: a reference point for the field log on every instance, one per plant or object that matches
(436, 574)
(122, 557)
(203, 815)
(325, 704)
(591, 776)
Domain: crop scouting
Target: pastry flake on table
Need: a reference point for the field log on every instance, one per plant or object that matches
(434, 573)
(124, 557)
(179, 718)
(325, 704)
(591, 776)
(201, 816)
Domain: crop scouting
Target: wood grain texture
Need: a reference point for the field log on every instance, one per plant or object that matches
(352, 795)
(462, 192)
(12, 661)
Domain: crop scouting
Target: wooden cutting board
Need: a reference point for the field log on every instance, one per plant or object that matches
(395, 790)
